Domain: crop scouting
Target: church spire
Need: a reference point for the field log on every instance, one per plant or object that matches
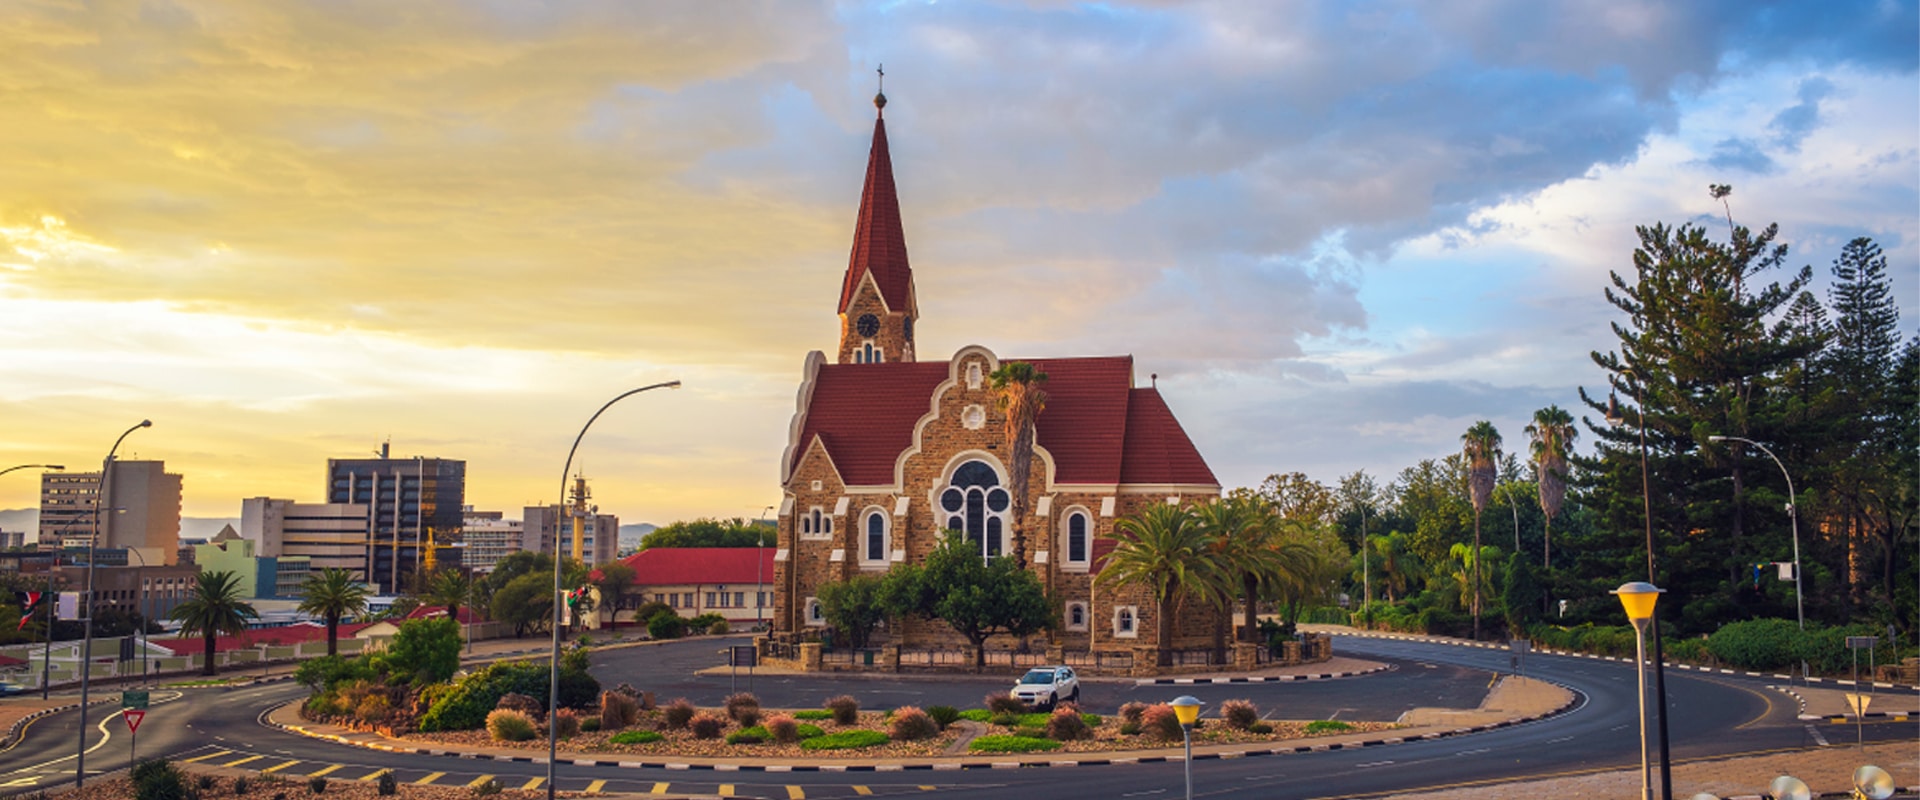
(882, 323)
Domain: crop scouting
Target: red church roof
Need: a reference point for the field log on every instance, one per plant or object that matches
(662, 566)
(1098, 428)
(879, 243)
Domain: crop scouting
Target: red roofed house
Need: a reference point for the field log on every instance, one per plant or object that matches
(884, 452)
(734, 582)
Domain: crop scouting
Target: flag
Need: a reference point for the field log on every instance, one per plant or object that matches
(26, 611)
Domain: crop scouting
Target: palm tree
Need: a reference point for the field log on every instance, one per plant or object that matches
(1165, 549)
(1254, 555)
(213, 608)
(1467, 576)
(330, 595)
(1396, 563)
(1016, 389)
(1552, 434)
(1481, 446)
(453, 589)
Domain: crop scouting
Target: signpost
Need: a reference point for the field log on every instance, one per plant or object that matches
(133, 715)
(1858, 702)
(742, 655)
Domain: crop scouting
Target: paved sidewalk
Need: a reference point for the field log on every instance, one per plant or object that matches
(1336, 667)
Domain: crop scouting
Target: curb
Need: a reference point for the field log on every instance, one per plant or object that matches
(1835, 719)
(1257, 678)
(13, 734)
(1573, 654)
(927, 766)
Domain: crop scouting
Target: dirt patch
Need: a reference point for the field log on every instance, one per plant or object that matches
(1825, 769)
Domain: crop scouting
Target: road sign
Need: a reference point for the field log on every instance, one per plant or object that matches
(133, 700)
(1862, 642)
(743, 655)
(1858, 702)
(133, 720)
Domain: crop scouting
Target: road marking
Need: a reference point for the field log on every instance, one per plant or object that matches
(242, 761)
(431, 777)
(27, 781)
(478, 782)
(1375, 764)
(326, 771)
(726, 790)
(1559, 740)
(862, 790)
(1137, 794)
(659, 788)
(596, 786)
(1474, 752)
(373, 776)
(926, 788)
(1815, 733)
(280, 766)
(214, 754)
(796, 793)
(533, 784)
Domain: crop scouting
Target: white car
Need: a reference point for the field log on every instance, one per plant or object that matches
(1045, 687)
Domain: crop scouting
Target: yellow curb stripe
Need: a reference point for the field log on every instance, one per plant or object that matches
(596, 786)
(242, 761)
(431, 777)
(478, 782)
(326, 770)
(533, 784)
(796, 793)
(280, 766)
(214, 754)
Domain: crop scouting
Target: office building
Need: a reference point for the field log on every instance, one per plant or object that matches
(327, 535)
(146, 502)
(409, 501)
(489, 537)
(600, 537)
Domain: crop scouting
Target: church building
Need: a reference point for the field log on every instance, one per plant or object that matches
(886, 451)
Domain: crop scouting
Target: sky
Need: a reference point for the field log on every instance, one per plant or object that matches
(1339, 233)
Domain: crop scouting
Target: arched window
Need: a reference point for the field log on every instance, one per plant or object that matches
(874, 547)
(975, 504)
(1124, 622)
(1079, 538)
(1076, 616)
(815, 616)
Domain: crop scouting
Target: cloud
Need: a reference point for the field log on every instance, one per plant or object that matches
(1742, 155)
(1792, 125)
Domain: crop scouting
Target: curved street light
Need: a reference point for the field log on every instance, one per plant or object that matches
(1793, 514)
(32, 466)
(102, 507)
(553, 675)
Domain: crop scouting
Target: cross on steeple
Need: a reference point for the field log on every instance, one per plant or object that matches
(880, 97)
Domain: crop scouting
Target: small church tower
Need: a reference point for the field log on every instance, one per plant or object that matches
(877, 309)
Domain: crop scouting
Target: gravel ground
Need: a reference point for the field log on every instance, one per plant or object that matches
(120, 788)
(1826, 769)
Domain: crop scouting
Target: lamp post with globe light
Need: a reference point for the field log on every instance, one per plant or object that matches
(1638, 598)
(1186, 708)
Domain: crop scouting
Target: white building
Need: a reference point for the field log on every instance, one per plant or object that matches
(490, 538)
(329, 535)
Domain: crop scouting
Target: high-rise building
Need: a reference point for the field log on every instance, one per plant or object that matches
(600, 533)
(328, 535)
(409, 502)
(489, 538)
(146, 503)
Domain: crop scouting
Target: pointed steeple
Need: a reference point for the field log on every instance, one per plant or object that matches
(879, 244)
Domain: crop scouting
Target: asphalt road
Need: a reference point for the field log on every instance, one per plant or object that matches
(1712, 715)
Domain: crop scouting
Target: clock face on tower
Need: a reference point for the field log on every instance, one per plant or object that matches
(867, 325)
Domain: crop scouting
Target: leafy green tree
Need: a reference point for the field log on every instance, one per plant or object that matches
(1298, 498)
(978, 598)
(1165, 549)
(1254, 555)
(1017, 394)
(424, 651)
(1395, 563)
(1520, 596)
(854, 607)
(1481, 447)
(333, 594)
(1432, 506)
(213, 607)
(526, 602)
(613, 578)
(708, 532)
(1550, 441)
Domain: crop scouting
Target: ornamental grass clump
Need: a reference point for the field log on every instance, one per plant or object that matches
(1239, 714)
(1003, 703)
(1132, 711)
(508, 725)
(707, 725)
(1066, 724)
(945, 715)
(515, 701)
(566, 723)
(678, 713)
(783, 728)
(909, 723)
(744, 708)
(618, 710)
(1161, 723)
(846, 710)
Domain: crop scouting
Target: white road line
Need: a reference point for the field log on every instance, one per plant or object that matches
(1815, 733)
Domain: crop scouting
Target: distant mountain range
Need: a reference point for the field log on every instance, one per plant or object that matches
(630, 535)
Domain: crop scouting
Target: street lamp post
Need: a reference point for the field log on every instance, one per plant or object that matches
(1638, 598)
(1793, 514)
(1614, 417)
(553, 674)
(1186, 708)
(102, 506)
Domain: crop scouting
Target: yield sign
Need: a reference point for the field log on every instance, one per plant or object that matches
(133, 719)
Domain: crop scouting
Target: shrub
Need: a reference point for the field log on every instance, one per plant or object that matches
(783, 728)
(618, 710)
(845, 740)
(976, 714)
(1003, 703)
(1005, 720)
(1031, 731)
(159, 779)
(1755, 644)
(1066, 724)
(317, 785)
(1239, 714)
(944, 715)
(707, 725)
(704, 622)
(1161, 723)
(909, 723)
(589, 724)
(678, 713)
(846, 710)
(720, 628)
(1129, 729)
(491, 787)
(1260, 728)
(635, 737)
(387, 784)
(753, 735)
(508, 725)
(813, 714)
(666, 626)
(743, 708)
(515, 701)
(650, 609)
(566, 724)
(1011, 744)
(466, 706)
(809, 731)
(205, 783)
(240, 785)
(1131, 711)
(1327, 726)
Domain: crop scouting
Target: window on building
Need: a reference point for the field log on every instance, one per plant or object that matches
(1076, 616)
(710, 603)
(873, 548)
(1126, 622)
(739, 599)
(975, 504)
(1079, 538)
(815, 616)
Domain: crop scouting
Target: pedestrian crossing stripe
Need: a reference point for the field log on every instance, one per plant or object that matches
(862, 790)
(596, 786)
(328, 770)
(280, 766)
(242, 761)
(533, 784)
(431, 777)
(214, 754)
(478, 782)
(659, 788)
(795, 793)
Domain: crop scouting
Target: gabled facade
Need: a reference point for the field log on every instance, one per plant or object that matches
(885, 452)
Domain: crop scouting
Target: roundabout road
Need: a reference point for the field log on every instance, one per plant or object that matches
(1712, 715)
